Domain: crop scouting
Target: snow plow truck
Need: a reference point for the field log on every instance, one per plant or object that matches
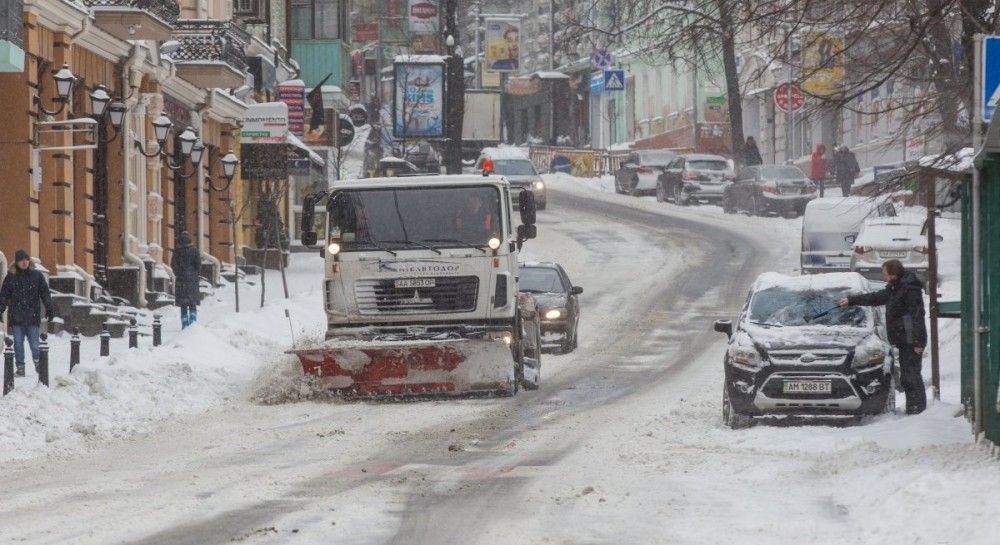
(420, 287)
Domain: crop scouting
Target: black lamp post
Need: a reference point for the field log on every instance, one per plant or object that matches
(104, 111)
(455, 106)
(187, 148)
(64, 87)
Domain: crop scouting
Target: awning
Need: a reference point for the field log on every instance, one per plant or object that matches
(294, 141)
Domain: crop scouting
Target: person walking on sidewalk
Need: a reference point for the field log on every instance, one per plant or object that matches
(845, 169)
(818, 168)
(751, 153)
(24, 293)
(904, 320)
(186, 264)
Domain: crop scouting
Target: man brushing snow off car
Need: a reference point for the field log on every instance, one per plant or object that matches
(904, 316)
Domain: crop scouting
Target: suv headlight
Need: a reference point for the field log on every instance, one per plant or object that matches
(553, 314)
(869, 353)
(745, 356)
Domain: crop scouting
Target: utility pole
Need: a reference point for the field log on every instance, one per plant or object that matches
(455, 103)
(552, 67)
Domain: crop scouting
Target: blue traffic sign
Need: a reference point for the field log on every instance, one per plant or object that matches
(991, 76)
(597, 83)
(614, 80)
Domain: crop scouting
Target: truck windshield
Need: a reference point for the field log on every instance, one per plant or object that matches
(405, 218)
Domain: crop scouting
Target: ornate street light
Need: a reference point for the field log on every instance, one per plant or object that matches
(64, 87)
(117, 114)
(161, 127)
(187, 138)
(229, 162)
(99, 100)
(196, 152)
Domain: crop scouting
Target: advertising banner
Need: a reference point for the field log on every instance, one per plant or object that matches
(418, 100)
(424, 17)
(265, 123)
(823, 63)
(293, 94)
(503, 45)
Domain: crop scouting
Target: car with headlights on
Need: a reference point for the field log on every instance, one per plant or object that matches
(558, 302)
(793, 351)
(515, 165)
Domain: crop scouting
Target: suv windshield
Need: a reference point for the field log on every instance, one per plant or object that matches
(404, 217)
(514, 167)
(707, 164)
(540, 280)
(780, 306)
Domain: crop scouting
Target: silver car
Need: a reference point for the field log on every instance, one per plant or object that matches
(696, 177)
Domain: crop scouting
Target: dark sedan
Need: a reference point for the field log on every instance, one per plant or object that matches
(778, 189)
(558, 302)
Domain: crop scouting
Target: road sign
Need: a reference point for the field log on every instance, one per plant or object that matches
(782, 99)
(991, 76)
(614, 80)
(597, 83)
(601, 59)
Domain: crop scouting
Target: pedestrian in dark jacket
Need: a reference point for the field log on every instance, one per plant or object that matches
(845, 169)
(186, 264)
(904, 320)
(751, 153)
(23, 293)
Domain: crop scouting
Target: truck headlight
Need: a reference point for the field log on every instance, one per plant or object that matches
(746, 356)
(553, 314)
(493, 243)
(333, 248)
(539, 185)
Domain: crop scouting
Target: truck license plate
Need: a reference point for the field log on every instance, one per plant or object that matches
(806, 387)
(414, 283)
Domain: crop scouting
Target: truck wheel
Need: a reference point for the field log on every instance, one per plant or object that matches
(730, 416)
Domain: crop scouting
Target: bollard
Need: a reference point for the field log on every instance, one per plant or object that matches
(74, 349)
(133, 334)
(105, 340)
(8, 365)
(157, 330)
(43, 359)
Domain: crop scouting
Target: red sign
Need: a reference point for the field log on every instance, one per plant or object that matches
(423, 10)
(782, 98)
(366, 32)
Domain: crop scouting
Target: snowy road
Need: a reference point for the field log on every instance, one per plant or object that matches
(623, 443)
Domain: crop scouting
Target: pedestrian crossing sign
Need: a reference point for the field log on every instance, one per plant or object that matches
(614, 80)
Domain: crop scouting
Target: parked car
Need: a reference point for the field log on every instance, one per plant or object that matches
(639, 171)
(902, 237)
(558, 302)
(694, 178)
(389, 167)
(515, 165)
(776, 189)
(830, 227)
(793, 351)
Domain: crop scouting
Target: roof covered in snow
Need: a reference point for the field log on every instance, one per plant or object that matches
(849, 280)
(505, 153)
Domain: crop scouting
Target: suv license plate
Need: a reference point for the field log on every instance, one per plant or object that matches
(894, 253)
(414, 283)
(807, 387)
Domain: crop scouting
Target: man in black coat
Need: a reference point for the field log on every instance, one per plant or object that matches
(24, 292)
(845, 169)
(904, 320)
(186, 264)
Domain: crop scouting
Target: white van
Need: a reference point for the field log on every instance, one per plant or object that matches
(830, 226)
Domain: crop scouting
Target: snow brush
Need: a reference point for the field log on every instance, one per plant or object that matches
(821, 314)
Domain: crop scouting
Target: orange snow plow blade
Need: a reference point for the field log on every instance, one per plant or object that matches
(415, 368)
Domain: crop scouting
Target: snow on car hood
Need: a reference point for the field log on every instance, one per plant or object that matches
(806, 336)
(550, 300)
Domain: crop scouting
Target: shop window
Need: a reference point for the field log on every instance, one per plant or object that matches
(317, 19)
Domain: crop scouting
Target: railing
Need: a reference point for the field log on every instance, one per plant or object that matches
(166, 10)
(211, 40)
(11, 23)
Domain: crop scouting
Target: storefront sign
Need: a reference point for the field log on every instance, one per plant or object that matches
(365, 32)
(522, 86)
(265, 123)
(424, 18)
(293, 93)
(823, 63)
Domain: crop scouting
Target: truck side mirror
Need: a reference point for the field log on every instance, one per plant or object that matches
(724, 326)
(526, 203)
(526, 232)
(308, 238)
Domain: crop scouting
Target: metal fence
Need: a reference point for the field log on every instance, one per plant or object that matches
(209, 40)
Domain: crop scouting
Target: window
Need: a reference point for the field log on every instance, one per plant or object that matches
(317, 19)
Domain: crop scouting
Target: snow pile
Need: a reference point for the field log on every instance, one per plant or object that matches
(196, 369)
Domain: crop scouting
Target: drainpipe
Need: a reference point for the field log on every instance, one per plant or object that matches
(205, 255)
(977, 268)
(127, 256)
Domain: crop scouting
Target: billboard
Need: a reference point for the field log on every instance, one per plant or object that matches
(823, 63)
(503, 45)
(418, 100)
(424, 18)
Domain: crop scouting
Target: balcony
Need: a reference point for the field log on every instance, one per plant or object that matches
(211, 54)
(135, 19)
(11, 36)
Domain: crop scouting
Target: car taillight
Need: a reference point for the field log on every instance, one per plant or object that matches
(645, 170)
(730, 177)
(688, 175)
(862, 249)
(810, 188)
(924, 250)
(769, 188)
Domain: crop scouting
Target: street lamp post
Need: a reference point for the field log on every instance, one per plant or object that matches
(105, 112)
(229, 162)
(455, 105)
(188, 148)
(65, 79)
